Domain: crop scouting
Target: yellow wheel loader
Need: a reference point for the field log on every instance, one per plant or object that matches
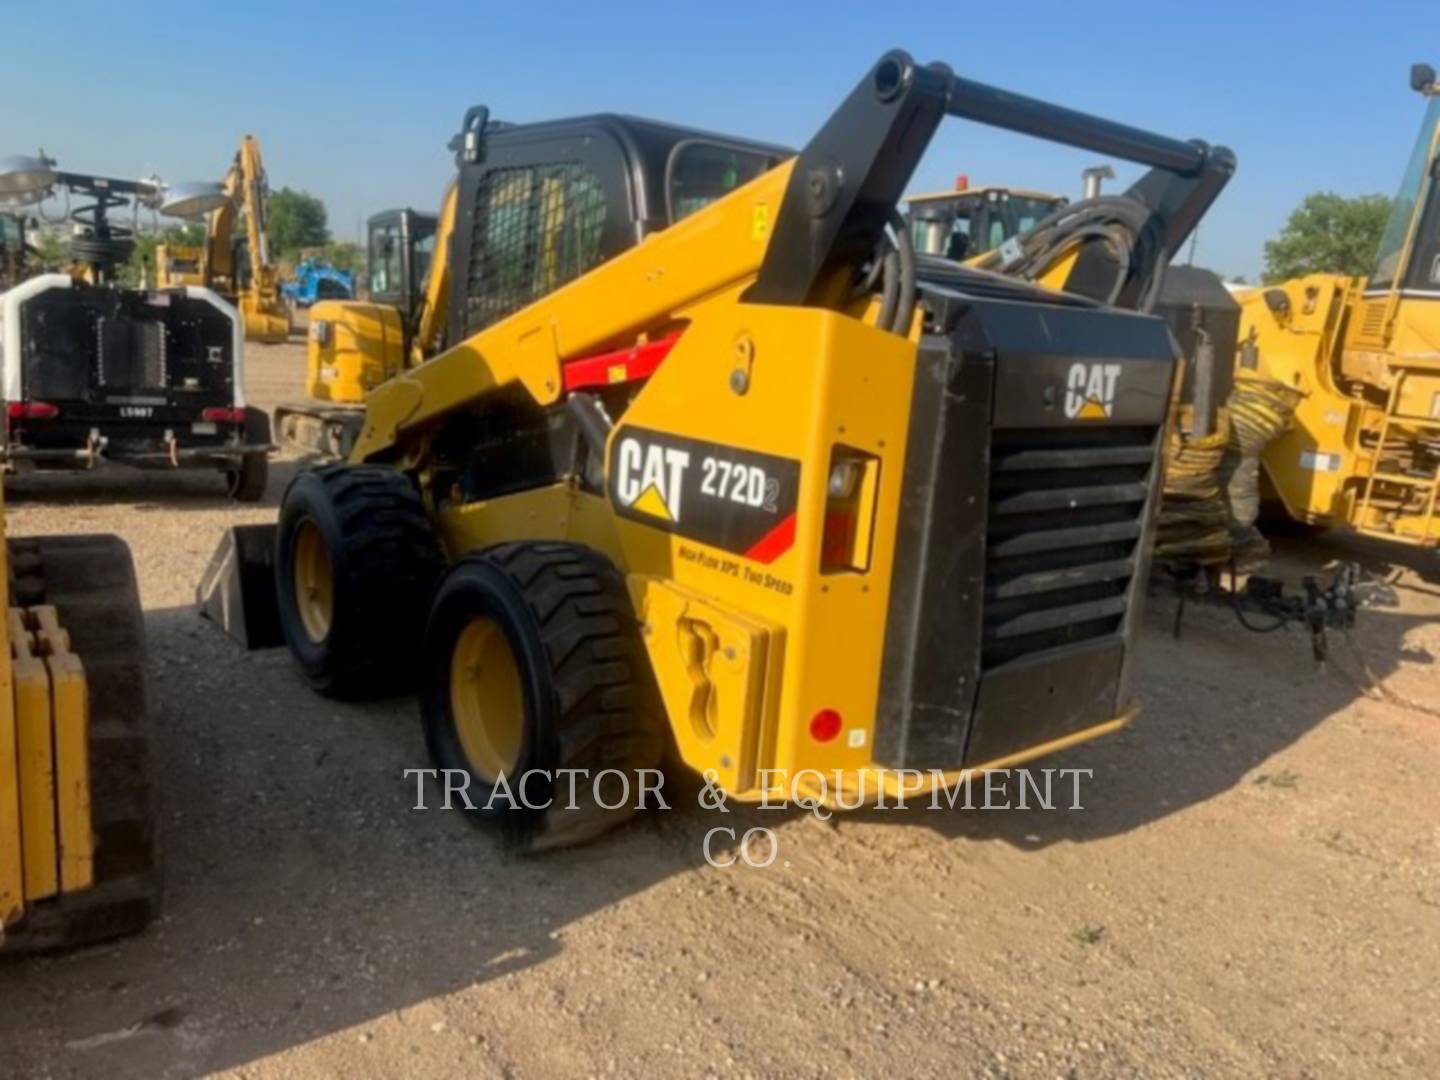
(712, 461)
(970, 221)
(77, 829)
(1364, 356)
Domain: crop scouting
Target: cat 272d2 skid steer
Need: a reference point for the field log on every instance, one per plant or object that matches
(728, 468)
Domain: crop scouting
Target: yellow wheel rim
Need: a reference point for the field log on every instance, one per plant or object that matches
(314, 591)
(487, 700)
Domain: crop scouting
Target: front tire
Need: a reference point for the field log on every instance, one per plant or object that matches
(355, 564)
(534, 665)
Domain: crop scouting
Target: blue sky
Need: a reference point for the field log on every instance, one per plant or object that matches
(355, 101)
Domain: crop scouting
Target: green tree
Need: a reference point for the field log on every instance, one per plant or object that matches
(297, 220)
(1328, 234)
(51, 251)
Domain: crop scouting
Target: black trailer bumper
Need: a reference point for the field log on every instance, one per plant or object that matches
(87, 441)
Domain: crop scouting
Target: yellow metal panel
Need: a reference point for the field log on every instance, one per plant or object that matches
(12, 871)
(35, 739)
(12, 877)
(431, 328)
(49, 636)
(817, 379)
(70, 702)
(361, 347)
(557, 512)
(713, 666)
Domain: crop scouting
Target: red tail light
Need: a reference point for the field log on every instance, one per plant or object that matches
(33, 410)
(849, 511)
(220, 414)
(825, 725)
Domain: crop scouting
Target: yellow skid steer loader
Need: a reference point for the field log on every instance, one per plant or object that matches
(713, 460)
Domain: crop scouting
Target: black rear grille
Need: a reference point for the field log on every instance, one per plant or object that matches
(1066, 514)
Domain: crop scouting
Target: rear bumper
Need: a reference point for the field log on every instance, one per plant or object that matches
(934, 788)
(173, 455)
(86, 442)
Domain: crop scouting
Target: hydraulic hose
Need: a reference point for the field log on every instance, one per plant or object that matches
(896, 266)
(1121, 223)
(1212, 483)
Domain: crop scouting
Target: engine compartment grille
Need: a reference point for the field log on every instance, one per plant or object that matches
(1067, 510)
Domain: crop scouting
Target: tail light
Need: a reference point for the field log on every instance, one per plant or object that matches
(825, 725)
(32, 410)
(849, 511)
(222, 414)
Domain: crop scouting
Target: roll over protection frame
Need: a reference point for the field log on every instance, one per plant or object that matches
(851, 175)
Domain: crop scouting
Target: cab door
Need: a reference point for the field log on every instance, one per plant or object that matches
(535, 212)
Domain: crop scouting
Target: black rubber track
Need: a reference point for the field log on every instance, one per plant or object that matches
(384, 563)
(91, 582)
(591, 702)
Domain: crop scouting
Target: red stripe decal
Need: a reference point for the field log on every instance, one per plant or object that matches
(774, 543)
(620, 366)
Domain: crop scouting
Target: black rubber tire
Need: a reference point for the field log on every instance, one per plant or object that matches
(90, 580)
(247, 483)
(590, 697)
(384, 562)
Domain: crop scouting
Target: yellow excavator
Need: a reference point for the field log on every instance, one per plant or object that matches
(239, 269)
(1364, 354)
(355, 345)
(77, 830)
(710, 458)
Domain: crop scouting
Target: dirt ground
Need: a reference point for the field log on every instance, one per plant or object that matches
(1252, 887)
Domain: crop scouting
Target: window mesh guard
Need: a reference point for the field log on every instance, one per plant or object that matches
(535, 229)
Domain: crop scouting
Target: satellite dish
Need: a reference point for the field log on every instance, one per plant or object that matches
(192, 200)
(15, 202)
(22, 178)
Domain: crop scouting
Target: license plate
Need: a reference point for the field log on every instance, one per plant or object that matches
(203, 427)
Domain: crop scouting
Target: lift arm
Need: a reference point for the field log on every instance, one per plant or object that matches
(834, 199)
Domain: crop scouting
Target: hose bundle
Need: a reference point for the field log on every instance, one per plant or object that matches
(1193, 524)
(893, 269)
(1260, 410)
(1124, 225)
(1211, 496)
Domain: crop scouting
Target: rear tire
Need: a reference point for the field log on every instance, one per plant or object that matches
(247, 483)
(91, 582)
(355, 564)
(587, 699)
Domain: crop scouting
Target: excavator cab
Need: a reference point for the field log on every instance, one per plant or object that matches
(398, 252)
(967, 222)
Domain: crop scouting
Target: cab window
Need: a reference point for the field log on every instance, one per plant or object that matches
(386, 260)
(701, 172)
(1402, 210)
(536, 228)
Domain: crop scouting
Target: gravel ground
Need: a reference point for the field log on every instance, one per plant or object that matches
(1250, 889)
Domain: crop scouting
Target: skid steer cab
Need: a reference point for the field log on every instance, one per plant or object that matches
(713, 462)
